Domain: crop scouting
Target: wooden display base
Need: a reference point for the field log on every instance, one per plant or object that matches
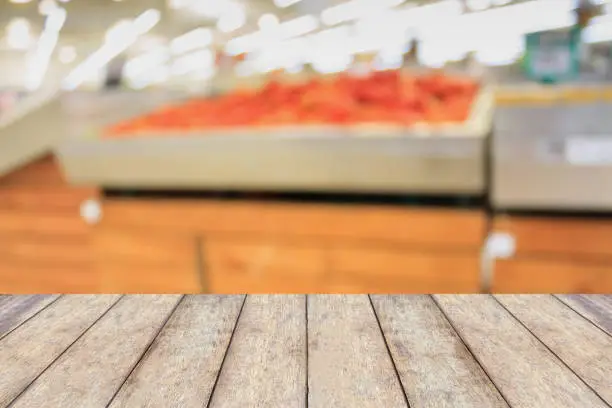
(217, 246)
(44, 243)
(555, 255)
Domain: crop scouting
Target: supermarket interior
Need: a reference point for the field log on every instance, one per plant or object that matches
(306, 146)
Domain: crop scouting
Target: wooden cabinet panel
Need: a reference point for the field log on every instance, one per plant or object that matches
(577, 237)
(323, 222)
(551, 276)
(133, 262)
(367, 270)
(44, 242)
(26, 277)
(262, 267)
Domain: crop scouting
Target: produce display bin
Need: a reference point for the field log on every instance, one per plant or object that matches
(64, 116)
(386, 159)
(552, 149)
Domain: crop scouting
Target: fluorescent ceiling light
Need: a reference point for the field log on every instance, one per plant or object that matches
(18, 35)
(285, 3)
(45, 7)
(232, 19)
(268, 22)
(47, 42)
(292, 28)
(199, 60)
(355, 9)
(147, 61)
(111, 49)
(67, 54)
(198, 38)
(20, 1)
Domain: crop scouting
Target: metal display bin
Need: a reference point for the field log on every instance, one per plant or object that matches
(554, 153)
(448, 159)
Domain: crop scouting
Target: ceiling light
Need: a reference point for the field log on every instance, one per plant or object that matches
(198, 38)
(268, 22)
(20, 1)
(285, 3)
(67, 54)
(199, 60)
(45, 7)
(232, 19)
(18, 35)
(111, 49)
(117, 30)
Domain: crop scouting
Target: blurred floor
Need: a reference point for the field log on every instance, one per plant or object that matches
(295, 351)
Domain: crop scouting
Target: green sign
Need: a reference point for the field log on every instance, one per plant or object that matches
(553, 56)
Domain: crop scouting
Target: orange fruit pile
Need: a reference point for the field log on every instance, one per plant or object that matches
(388, 97)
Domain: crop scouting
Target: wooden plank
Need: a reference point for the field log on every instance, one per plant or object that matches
(521, 275)
(524, 370)
(435, 367)
(24, 277)
(14, 310)
(44, 250)
(348, 364)
(31, 348)
(136, 262)
(103, 357)
(553, 236)
(582, 346)
(381, 270)
(182, 365)
(595, 308)
(243, 266)
(424, 227)
(40, 223)
(48, 199)
(265, 364)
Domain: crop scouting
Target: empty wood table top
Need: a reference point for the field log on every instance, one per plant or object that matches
(299, 351)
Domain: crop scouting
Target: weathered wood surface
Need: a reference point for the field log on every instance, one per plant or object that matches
(15, 310)
(92, 369)
(295, 351)
(525, 371)
(348, 363)
(583, 347)
(435, 367)
(34, 346)
(596, 309)
(266, 359)
(181, 367)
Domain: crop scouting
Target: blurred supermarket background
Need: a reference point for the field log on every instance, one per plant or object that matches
(306, 145)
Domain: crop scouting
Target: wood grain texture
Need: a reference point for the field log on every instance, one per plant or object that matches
(527, 374)
(132, 262)
(425, 227)
(596, 308)
(239, 266)
(37, 223)
(93, 368)
(532, 275)
(553, 236)
(435, 367)
(31, 348)
(348, 363)
(14, 310)
(582, 346)
(181, 367)
(43, 198)
(22, 276)
(381, 270)
(266, 360)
